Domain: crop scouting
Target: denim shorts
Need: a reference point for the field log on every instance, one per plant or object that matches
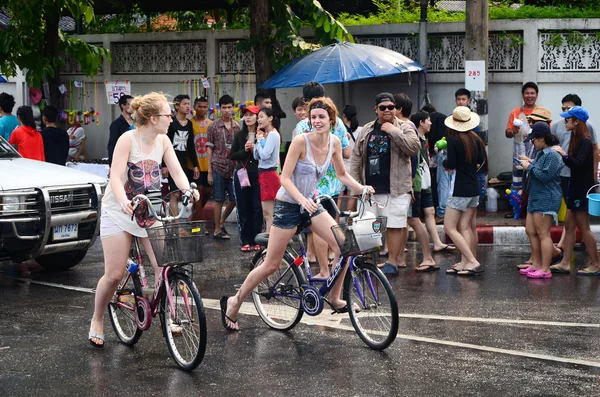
(461, 203)
(221, 186)
(288, 216)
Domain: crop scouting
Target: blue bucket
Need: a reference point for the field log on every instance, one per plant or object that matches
(593, 202)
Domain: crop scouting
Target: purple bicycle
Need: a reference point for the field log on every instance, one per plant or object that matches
(176, 245)
(283, 298)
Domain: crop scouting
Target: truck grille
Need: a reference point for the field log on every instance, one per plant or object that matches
(69, 199)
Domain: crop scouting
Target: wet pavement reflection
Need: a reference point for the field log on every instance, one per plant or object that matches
(494, 334)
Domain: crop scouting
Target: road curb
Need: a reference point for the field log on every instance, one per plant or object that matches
(512, 235)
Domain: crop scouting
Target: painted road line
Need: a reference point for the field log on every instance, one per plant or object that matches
(335, 322)
(499, 320)
(326, 321)
(47, 284)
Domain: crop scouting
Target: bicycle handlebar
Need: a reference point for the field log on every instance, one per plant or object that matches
(345, 214)
(185, 201)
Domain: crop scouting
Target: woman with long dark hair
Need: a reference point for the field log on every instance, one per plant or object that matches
(26, 137)
(545, 195)
(466, 156)
(266, 151)
(580, 159)
(247, 198)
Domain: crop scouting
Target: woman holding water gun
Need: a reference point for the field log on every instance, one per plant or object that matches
(545, 196)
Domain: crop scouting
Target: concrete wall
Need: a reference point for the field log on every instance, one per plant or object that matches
(504, 86)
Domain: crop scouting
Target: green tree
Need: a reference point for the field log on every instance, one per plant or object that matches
(275, 34)
(33, 42)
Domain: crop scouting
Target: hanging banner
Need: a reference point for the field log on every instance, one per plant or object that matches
(116, 89)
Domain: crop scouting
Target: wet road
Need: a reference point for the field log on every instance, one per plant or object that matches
(498, 334)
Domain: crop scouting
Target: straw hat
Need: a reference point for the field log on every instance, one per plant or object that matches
(540, 113)
(462, 119)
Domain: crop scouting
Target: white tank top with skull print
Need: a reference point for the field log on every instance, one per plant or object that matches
(142, 177)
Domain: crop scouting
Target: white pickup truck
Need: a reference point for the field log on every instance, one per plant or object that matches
(48, 212)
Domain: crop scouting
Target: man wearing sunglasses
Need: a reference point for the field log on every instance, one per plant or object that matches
(559, 130)
(381, 158)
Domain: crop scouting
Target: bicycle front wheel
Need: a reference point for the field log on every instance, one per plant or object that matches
(122, 311)
(184, 322)
(278, 298)
(377, 321)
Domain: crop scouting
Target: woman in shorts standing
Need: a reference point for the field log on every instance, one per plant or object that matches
(580, 159)
(266, 151)
(308, 160)
(466, 155)
(545, 196)
(135, 170)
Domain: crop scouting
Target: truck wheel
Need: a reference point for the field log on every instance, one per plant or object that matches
(61, 260)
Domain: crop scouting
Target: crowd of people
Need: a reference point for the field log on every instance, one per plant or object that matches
(272, 182)
(39, 138)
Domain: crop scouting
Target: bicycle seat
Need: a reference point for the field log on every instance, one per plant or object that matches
(262, 239)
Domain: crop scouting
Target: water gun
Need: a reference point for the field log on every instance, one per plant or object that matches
(441, 144)
(514, 198)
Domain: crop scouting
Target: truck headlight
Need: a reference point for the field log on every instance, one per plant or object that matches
(11, 203)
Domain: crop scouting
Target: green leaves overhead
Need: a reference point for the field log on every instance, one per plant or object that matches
(28, 43)
(287, 19)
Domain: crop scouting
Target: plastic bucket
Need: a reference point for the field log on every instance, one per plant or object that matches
(593, 202)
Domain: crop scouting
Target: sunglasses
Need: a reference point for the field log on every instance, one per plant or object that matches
(383, 108)
(565, 108)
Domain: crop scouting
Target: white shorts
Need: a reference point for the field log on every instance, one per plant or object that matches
(108, 227)
(396, 209)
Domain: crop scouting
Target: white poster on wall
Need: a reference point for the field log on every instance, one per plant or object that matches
(116, 89)
(475, 75)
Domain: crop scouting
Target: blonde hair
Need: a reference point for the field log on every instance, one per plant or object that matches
(327, 105)
(146, 106)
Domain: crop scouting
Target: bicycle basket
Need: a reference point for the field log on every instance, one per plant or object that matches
(176, 243)
(361, 236)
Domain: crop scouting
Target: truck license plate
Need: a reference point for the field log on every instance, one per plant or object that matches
(65, 232)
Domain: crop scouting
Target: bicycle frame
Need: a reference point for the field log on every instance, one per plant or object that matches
(163, 286)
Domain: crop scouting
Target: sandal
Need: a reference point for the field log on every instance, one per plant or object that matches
(221, 236)
(427, 268)
(94, 335)
(470, 272)
(224, 316)
(246, 248)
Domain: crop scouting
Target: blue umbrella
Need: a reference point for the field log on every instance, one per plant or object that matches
(3, 80)
(342, 62)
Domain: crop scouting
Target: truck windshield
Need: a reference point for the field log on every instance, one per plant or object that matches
(7, 151)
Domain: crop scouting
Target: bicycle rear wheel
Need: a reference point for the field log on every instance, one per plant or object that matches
(278, 298)
(184, 323)
(121, 310)
(377, 321)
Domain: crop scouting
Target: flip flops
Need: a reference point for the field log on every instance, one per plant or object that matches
(585, 272)
(558, 270)
(389, 269)
(246, 248)
(344, 309)
(469, 272)
(428, 268)
(447, 247)
(224, 316)
(94, 335)
(221, 236)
